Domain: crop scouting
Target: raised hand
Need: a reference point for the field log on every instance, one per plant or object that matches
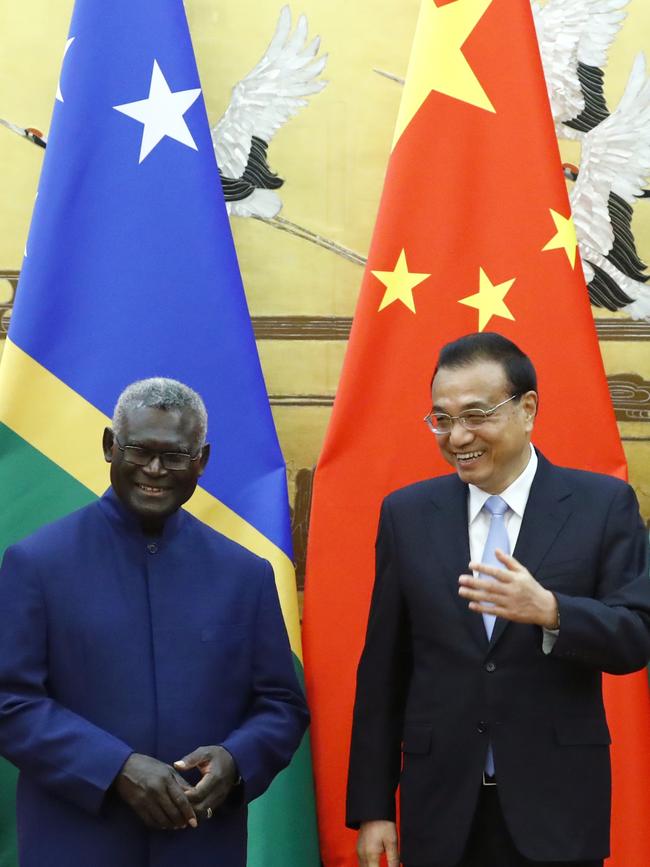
(513, 594)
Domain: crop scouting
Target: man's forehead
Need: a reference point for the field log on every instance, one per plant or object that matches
(472, 385)
(173, 421)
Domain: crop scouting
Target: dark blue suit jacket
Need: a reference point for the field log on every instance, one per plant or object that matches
(111, 642)
(432, 692)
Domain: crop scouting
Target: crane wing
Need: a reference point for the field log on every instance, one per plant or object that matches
(574, 38)
(272, 92)
(614, 169)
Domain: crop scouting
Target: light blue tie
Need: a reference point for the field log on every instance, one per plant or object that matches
(497, 538)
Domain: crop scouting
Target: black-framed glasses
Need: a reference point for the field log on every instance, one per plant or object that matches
(143, 457)
(440, 423)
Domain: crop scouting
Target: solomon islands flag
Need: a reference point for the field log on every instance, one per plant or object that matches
(130, 271)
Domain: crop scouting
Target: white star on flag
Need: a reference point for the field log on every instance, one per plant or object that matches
(161, 113)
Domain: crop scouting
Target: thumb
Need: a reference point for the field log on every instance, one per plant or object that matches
(192, 760)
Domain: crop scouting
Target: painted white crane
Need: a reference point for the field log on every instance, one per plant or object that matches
(574, 38)
(275, 90)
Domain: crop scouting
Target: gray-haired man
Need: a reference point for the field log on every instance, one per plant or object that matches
(147, 689)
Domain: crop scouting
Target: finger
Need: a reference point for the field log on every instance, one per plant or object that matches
(181, 801)
(474, 582)
(201, 808)
(154, 816)
(502, 575)
(486, 604)
(495, 610)
(213, 796)
(203, 788)
(173, 815)
(212, 803)
(192, 760)
(508, 560)
(392, 855)
(147, 818)
(181, 781)
(205, 810)
(483, 591)
(199, 802)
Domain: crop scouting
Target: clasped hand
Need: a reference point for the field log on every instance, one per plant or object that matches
(164, 800)
(513, 594)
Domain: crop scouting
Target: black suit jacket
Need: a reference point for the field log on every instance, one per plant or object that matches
(432, 692)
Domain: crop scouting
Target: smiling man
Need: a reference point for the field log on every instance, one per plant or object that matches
(479, 687)
(147, 688)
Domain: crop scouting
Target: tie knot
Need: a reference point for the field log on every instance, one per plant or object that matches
(496, 505)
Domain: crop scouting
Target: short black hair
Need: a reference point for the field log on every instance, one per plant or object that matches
(489, 346)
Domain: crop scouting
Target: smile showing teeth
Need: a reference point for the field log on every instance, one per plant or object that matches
(468, 456)
(150, 490)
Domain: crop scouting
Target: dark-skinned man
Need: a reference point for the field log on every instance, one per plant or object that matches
(479, 687)
(147, 689)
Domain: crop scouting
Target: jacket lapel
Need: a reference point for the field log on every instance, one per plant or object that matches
(549, 506)
(450, 536)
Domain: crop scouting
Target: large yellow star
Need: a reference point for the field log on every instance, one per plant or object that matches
(399, 283)
(565, 237)
(489, 300)
(437, 61)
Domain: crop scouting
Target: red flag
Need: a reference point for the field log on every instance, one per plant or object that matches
(474, 232)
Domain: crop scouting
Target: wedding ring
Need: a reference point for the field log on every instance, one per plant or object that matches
(208, 814)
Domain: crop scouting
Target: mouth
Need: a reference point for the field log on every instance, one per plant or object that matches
(467, 459)
(151, 490)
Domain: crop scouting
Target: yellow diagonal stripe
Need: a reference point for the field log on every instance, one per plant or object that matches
(61, 424)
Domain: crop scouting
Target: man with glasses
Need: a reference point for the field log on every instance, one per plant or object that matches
(502, 593)
(147, 688)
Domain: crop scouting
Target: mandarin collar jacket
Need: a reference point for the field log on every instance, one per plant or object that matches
(114, 642)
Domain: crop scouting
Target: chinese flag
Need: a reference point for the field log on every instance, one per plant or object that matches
(474, 232)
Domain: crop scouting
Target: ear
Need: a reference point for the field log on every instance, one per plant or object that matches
(205, 457)
(107, 444)
(529, 402)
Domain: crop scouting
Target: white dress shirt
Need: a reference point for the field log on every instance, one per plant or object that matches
(478, 522)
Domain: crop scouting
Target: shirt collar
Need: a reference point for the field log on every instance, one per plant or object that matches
(515, 495)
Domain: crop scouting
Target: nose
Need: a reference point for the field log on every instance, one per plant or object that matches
(459, 435)
(155, 467)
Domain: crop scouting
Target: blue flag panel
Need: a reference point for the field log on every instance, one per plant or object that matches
(130, 269)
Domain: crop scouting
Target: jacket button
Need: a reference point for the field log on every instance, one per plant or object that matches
(482, 727)
(152, 547)
(490, 666)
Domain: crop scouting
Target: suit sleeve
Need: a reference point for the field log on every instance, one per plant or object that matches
(278, 717)
(611, 632)
(382, 681)
(54, 746)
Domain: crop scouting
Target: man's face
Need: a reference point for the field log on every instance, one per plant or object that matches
(153, 492)
(495, 454)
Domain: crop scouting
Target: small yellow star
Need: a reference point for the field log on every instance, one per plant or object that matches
(489, 300)
(437, 61)
(565, 237)
(399, 283)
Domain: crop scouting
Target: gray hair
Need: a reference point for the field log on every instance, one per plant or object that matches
(160, 393)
